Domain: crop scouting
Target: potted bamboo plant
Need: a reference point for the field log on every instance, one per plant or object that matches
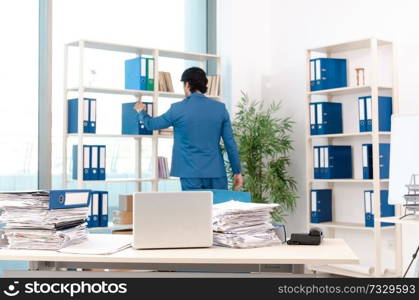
(264, 144)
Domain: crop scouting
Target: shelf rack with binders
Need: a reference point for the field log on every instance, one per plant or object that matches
(373, 88)
(81, 89)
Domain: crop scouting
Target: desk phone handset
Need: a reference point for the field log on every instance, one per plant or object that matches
(314, 237)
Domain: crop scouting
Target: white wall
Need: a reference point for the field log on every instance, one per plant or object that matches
(244, 43)
(264, 51)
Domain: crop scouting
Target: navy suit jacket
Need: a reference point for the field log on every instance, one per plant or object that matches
(199, 123)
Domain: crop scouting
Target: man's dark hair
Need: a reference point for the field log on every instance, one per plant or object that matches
(196, 78)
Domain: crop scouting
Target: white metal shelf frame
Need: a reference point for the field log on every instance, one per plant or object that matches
(82, 89)
(374, 88)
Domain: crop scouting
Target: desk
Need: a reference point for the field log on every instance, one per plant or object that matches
(285, 257)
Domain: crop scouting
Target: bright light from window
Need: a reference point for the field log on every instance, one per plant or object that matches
(155, 24)
(19, 87)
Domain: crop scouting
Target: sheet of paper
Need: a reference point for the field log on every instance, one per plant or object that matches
(97, 244)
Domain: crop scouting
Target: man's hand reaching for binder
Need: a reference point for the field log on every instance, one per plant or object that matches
(139, 106)
(238, 182)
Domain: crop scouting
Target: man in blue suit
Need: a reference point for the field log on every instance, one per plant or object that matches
(199, 123)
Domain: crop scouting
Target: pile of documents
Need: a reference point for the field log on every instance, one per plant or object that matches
(243, 225)
(29, 223)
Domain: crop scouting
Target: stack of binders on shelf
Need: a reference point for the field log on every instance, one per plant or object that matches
(325, 118)
(327, 73)
(89, 115)
(44, 220)
(130, 122)
(94, 162)
(321, 205)
(139, 73)
(98, 210)
(332, 162)
(385, 111)
(387, 210)
(367, 162)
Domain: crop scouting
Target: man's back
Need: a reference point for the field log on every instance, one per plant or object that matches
(198, 122)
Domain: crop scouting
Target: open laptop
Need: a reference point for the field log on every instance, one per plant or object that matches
(172, 220)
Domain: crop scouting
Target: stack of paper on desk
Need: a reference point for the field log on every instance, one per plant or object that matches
(45, 239)
(30, 223)
(243, 225)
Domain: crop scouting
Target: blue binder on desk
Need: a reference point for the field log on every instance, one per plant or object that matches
(60, 199)
(220, 196)
(321, 205)
(329, 73)
(103, 209)
(89, 115)
(102, 162)
(87, 165)
(329, 118)
(385, 110)
(135, 74)
(95, 209)
(335, 162)
(89, 219)
(387, 210)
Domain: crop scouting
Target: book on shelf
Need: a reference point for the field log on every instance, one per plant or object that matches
(213, 85)
(165, 82)
(163, 167)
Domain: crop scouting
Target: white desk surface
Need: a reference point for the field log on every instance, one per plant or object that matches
(331, 251)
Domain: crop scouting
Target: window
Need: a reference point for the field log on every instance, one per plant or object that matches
(164, 24)
(19, 104)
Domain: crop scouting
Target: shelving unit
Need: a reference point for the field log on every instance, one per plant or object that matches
(370, 181)
(414, 220)
(346, 225)
(82, 88)
(347, 90)
(374, 89)
(344, 135)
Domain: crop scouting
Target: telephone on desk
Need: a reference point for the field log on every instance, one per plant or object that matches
(314, 237)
